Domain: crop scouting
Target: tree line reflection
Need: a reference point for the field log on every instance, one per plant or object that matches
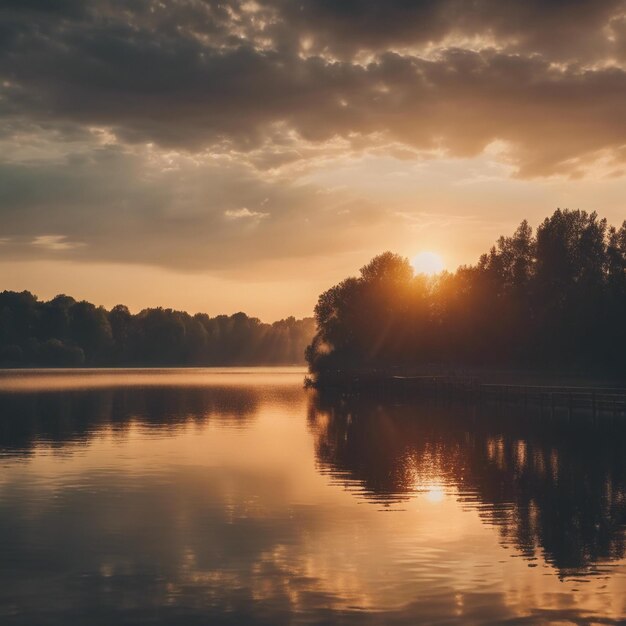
(551, 486)
(57, 419)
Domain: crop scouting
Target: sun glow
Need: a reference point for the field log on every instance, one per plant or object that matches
(434, 493)
(427, 263)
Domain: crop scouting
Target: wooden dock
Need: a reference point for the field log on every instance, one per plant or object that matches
(594, 400)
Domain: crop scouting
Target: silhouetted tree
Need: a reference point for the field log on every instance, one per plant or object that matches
(65, 333)
(89, 328)
(554, 300)
(54, 352)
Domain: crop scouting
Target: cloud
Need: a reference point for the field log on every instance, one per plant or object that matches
(152, 132)
(564, 30)
(175, 210)
(55, 242)
(231, 76)
(238, 214)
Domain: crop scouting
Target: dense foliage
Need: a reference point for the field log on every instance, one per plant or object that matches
(64, 332)
(552, 300)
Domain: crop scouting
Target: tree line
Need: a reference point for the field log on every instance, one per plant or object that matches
(63, 332)
(550, 300)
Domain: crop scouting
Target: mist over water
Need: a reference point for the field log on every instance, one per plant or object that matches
(238, 497)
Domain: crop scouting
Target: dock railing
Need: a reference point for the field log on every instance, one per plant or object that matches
(595, 399)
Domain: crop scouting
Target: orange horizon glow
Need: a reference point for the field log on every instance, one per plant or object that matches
(415, 132)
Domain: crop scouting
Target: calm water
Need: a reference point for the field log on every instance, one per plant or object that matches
(237, 497)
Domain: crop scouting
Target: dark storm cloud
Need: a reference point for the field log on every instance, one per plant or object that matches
(563, 29)
(205, 74)
(263, 83)
(460, 102)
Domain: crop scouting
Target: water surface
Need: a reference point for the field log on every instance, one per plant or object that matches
(238, 497)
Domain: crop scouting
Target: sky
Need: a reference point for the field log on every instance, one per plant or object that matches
(231, 155)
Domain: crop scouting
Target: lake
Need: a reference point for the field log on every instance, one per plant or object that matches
(235, 496)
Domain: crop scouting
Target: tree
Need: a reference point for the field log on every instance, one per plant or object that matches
(89, 328)
(63, 332)
(556, 299)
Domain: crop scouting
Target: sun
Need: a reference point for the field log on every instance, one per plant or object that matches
(428, 263)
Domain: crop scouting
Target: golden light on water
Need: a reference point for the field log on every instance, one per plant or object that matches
(435, 493)
(389, 509)
(427, 262)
